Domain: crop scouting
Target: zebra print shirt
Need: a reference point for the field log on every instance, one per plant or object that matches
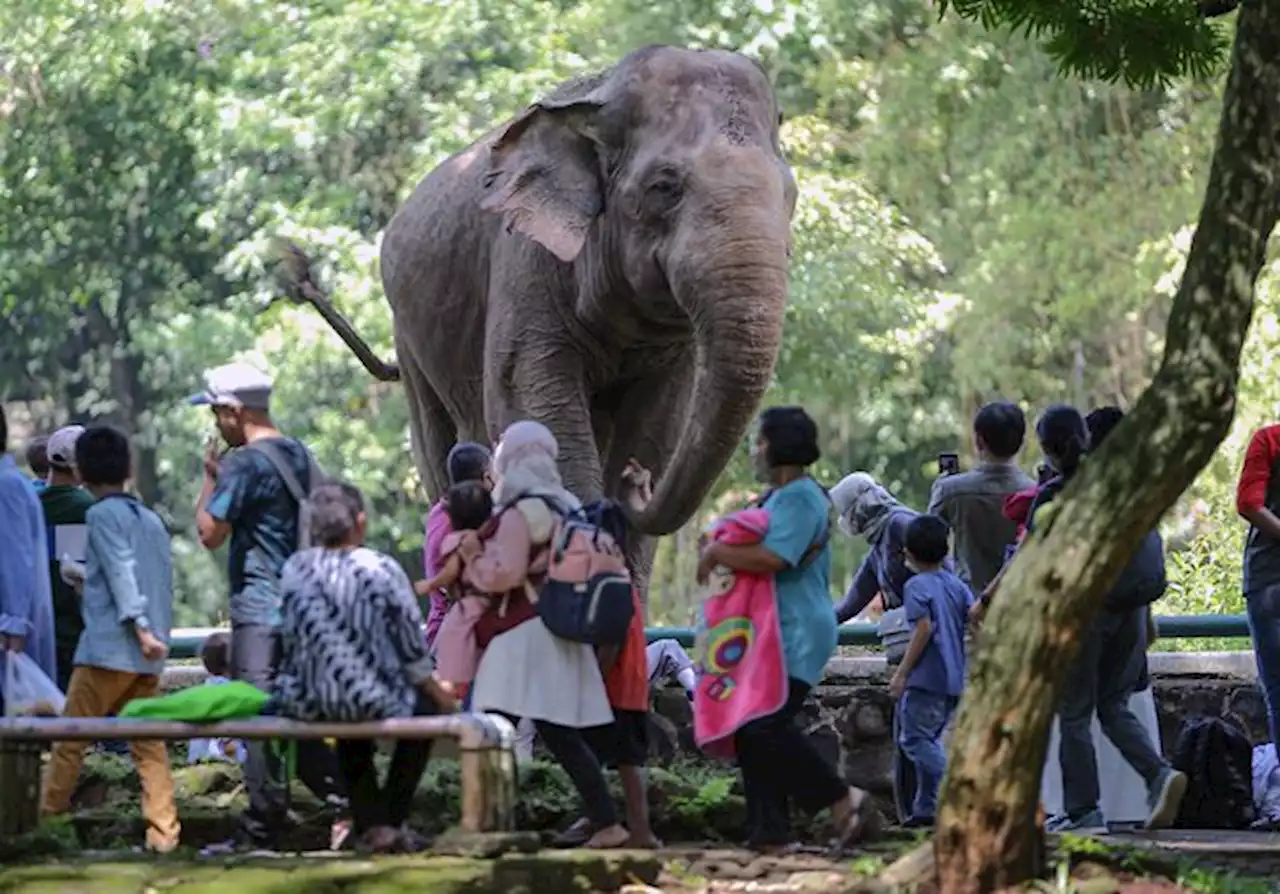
(351, 638)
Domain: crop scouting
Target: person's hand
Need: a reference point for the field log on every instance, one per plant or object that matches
(638, 478)
(420, 588)
(13, 643)
(977, 612)
(469, 546)
(706, 564)
(443, 694)
(211, 458)
(897, 686)
(153, 648)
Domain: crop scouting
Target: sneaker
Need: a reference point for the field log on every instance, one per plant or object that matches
(238, 846)
(1092, 823)
(1166, 798)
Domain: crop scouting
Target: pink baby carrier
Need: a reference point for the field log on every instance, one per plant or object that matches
(743, 670)
(457, 652)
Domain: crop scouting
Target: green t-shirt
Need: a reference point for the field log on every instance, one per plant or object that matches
(64, 505)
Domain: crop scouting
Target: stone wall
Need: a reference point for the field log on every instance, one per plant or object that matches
(849, 715)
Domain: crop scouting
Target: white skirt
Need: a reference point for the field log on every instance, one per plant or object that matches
(1123, 792)
(527, 672)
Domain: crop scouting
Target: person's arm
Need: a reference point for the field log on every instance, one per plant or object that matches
(221, 500)
(447, 577)
(939, 505)
(916, 603)
(794, 526)
(17, 582)
(503, 560)
(752, 558)
(1255, 477)
(109, 541)
(404, 625)
(865, 587)
(920, 636)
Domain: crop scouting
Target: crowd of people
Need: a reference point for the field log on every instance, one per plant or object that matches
(333, 630)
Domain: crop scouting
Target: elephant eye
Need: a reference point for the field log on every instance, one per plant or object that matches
(663, 193)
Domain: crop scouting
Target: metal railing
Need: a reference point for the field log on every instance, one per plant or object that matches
(186, 643)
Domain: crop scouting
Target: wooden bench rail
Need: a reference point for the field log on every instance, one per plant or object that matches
(485, 745)
(471, 730)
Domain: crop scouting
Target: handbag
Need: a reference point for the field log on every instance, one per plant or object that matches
(895, 634)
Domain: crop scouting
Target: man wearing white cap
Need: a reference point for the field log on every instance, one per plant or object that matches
(251, 499)
(65, 503)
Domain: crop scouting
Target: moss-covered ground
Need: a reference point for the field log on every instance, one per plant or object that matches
(92, 850)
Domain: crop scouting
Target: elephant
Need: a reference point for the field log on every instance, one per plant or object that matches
(612, 262)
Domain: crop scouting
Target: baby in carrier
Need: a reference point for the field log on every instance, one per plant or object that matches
(470, 509)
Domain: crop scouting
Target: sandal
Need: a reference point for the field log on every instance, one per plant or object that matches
(380, 840)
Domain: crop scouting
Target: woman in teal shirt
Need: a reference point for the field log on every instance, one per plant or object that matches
(776, 759)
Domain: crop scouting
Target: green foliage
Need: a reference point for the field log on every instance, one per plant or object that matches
(1141, 42)
(970, 223)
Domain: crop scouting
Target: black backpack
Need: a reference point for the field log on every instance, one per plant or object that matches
(1217, 757)
(1143, 580)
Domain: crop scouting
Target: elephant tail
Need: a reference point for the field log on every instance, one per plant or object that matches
(300, 285)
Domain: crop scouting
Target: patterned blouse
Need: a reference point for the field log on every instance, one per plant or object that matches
(351, 644)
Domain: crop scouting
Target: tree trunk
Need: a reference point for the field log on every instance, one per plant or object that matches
(986, 835)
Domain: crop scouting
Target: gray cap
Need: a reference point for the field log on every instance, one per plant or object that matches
(235, 385)
(61, 449)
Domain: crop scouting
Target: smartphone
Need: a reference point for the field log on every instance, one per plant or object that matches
(948, 463)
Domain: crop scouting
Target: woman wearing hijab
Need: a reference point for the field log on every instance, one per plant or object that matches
(526, 671)
(869, 511)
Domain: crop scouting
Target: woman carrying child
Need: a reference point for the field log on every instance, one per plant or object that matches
(470, 510)
(777, 761)
(525, 670)
(352, 651)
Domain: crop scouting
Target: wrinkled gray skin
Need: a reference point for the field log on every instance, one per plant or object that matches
(612, 263)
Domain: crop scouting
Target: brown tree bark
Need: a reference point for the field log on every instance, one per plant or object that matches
(986, 834)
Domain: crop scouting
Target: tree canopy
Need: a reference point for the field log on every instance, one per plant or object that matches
(971, 225)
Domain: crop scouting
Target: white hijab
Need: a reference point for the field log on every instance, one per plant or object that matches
(526, 465)
(864, 506)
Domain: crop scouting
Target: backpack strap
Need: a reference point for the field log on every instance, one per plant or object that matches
(818, 545)
(281, 465)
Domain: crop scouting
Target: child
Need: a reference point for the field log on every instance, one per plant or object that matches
(127, 607)
(216, 657)
(470, 509)
(930, 678)
(667, 659)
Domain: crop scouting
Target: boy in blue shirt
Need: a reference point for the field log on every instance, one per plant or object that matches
(930, 678)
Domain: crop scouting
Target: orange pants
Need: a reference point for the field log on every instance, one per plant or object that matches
(97, 692)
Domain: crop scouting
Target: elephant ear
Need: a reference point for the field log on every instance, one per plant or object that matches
(544, 174)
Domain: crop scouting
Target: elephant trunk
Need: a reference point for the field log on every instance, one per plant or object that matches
(737, 312)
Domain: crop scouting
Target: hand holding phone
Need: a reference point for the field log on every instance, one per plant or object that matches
(948, 463)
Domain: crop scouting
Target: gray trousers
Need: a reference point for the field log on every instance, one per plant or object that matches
(255, 651)
(1102, 679)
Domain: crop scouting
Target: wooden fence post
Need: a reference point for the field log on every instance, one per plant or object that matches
(19, 786)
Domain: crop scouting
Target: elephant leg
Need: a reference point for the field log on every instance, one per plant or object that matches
(432, 430)
(548, 387)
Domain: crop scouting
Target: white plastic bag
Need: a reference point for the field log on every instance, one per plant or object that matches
(27, 691)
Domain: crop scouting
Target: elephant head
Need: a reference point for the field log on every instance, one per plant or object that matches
(662, 181)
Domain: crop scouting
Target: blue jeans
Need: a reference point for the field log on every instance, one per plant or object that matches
(1263, 608)
(922, 716)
